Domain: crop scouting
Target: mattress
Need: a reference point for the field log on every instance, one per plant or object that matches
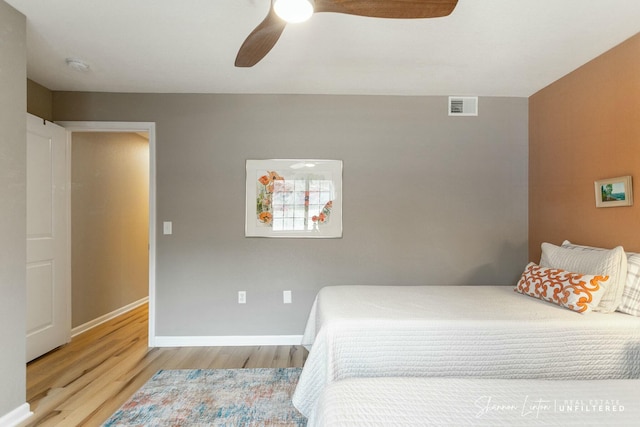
(458, 331)
(477, 402)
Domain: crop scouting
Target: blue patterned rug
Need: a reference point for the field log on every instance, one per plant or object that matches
(216, 397)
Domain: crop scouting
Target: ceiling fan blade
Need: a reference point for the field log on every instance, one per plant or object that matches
(261, 40)
(400, 9)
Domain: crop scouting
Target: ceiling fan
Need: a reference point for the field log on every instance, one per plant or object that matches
(266, 34)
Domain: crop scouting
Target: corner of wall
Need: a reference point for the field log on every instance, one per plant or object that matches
(13, 63)
(39, 100)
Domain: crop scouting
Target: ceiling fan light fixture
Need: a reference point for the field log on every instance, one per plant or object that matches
(293, 11)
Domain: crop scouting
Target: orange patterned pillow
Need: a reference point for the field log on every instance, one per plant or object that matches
(577, 292)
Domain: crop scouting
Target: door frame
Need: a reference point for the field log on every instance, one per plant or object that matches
(150, 128)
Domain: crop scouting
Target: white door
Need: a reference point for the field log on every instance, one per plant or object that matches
(48, 262)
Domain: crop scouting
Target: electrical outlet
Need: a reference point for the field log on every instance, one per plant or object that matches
(286, 297)
(242, 297)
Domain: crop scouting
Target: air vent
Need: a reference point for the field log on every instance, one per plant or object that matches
(463, 105)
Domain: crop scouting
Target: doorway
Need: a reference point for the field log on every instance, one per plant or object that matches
(93, 139)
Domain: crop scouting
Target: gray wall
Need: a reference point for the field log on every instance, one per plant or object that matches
(427, 198)
(13, 208)
(109, 222)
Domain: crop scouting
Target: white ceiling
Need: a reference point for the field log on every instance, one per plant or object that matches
(485, 47)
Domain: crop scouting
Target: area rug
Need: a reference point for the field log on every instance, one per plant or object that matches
(213, 397)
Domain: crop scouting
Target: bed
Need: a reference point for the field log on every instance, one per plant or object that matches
(476, 402)
(458, 331)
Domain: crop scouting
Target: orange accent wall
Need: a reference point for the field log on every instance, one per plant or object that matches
(585, 127)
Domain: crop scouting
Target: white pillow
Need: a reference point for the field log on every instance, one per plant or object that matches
(630, 303)
(631, 296)
(612, 263)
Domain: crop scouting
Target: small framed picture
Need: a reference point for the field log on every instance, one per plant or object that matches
(614, 192)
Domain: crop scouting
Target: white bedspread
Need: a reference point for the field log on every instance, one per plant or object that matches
(388, 402)
(458, 331)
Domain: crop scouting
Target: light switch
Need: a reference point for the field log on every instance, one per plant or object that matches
(286, 297)
(167, 227)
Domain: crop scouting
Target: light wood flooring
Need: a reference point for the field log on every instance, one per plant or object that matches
(87, 380)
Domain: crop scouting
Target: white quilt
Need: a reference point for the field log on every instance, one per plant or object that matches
(458, 331)
(388, 402)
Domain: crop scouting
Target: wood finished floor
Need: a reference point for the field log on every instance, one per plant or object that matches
(87, 380)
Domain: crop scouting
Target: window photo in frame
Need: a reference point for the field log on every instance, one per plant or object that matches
(295, 198)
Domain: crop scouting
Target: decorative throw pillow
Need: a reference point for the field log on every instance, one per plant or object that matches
(577, 292)
(612, 263)
(630, 302)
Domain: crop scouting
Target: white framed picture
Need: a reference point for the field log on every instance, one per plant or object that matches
(297, 198)
(614, 192)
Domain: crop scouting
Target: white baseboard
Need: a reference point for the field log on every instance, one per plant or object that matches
(100, 320)
(227, 341)
(15, 417)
